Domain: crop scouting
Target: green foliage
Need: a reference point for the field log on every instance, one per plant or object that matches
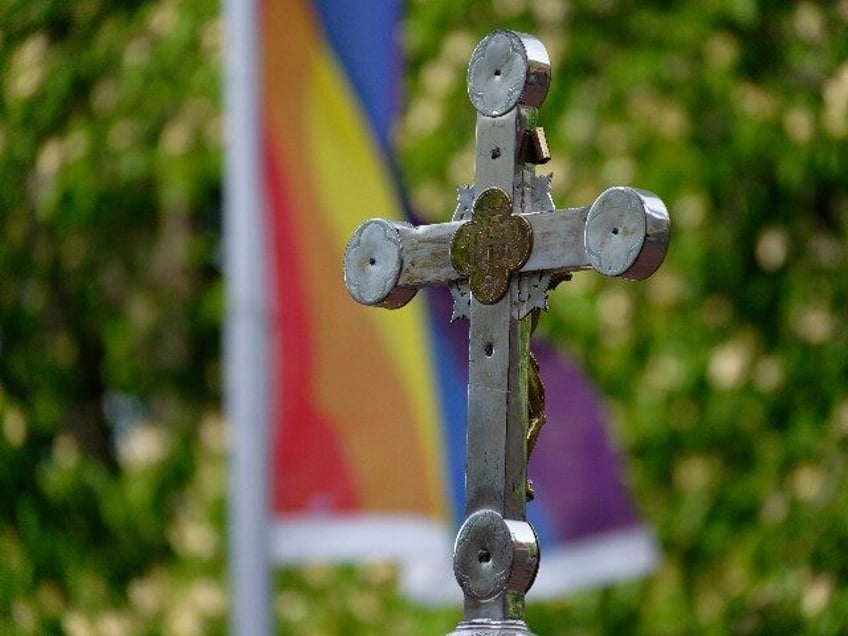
(109, 203)
(323, 599)
(725, 372)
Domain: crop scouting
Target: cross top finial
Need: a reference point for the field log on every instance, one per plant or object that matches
(508, 68)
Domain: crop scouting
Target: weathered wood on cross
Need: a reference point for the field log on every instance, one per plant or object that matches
(504, 249)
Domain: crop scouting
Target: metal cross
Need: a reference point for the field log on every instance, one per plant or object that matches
(504, 249)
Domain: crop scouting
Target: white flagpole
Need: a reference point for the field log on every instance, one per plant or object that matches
(246, 358)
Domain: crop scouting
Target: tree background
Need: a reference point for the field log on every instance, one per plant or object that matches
(726, 373)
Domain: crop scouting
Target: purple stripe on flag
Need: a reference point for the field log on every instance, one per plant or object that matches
(574, 467)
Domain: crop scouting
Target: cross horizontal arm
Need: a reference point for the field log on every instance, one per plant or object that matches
(624, 233)
(557, 246)
(420, 255)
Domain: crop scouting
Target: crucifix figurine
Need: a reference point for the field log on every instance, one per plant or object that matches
(504, 249)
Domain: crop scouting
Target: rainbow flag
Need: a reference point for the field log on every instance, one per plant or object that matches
(368, 407)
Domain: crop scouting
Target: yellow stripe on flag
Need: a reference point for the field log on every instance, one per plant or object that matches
(347, 157)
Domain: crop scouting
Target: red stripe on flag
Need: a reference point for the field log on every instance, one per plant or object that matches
(323, 481)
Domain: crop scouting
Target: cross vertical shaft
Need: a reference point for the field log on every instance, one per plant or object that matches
(496, 388)
(501, 70)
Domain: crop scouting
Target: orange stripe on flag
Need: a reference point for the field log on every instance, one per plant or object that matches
(373, 381)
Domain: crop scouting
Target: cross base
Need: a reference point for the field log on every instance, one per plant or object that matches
(483, 627)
